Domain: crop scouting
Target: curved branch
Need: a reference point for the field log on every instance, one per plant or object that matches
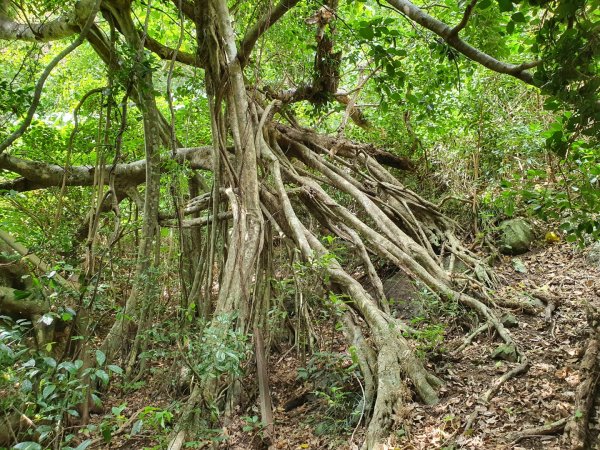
(187, 8)
(345, 148)
(52, 30)
(37, 175)
(451, 37)
(168, 53)
(262, 25)
(37, 94)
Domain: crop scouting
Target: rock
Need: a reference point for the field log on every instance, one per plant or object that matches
(592, 255)
(458, 267)
(403, 296)
(509, 321)
(516, 236)
(519, 265)
(505, 352)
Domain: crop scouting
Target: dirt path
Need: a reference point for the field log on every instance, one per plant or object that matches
(542, 395)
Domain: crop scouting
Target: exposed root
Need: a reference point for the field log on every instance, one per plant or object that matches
(521, 368)
(383, 218)
(522, 303)
(469, 339)
(576, 429)
(544, 430)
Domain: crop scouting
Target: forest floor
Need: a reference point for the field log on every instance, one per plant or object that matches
(544, 394)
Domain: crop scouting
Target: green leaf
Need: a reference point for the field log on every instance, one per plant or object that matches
(26, 386)
(48, 390)
(505, 5)
(50, 362)
(68, 366)
(518, 17)
(29, 363)
(106, 434)
(85, 444)
(137, 427)
(366, 32)
(115, 369)
(389, 68)
(96, 400)
(27, 445)
(510, 27)
(102, 375)
(100, 358)
(20, 295)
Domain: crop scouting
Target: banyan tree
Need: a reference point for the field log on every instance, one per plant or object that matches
(258, 180)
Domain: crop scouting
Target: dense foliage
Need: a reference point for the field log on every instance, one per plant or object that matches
(486, 145)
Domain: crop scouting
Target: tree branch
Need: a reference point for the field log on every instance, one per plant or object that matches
(52, 30)
(37, 93)
(167, 53)
(37, 175)
(465, 19)
(262, 25)
(441, 29)
(187, 8)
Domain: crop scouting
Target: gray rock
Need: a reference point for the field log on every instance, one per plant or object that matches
(505, 352)
(592, 255)
(459, 265)
(509, 321)
(516, 236)
(403, 296)
(519, 265)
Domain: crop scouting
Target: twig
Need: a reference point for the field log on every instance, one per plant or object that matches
(464, 20)
(472, 336)
(522, 367)
(544, 430)
(121, 428)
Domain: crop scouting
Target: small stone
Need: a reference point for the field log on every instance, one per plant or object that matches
(509, 321)
(592, 255)
(519, 265)
(506, 353)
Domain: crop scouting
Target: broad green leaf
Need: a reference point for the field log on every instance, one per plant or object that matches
(115, 369)
(102, 375)
(20, 295)
(85, 444)
(518, 17)
(100, 358)
(510, 27)
(27, 445)
(505, 5)
(48, 390)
